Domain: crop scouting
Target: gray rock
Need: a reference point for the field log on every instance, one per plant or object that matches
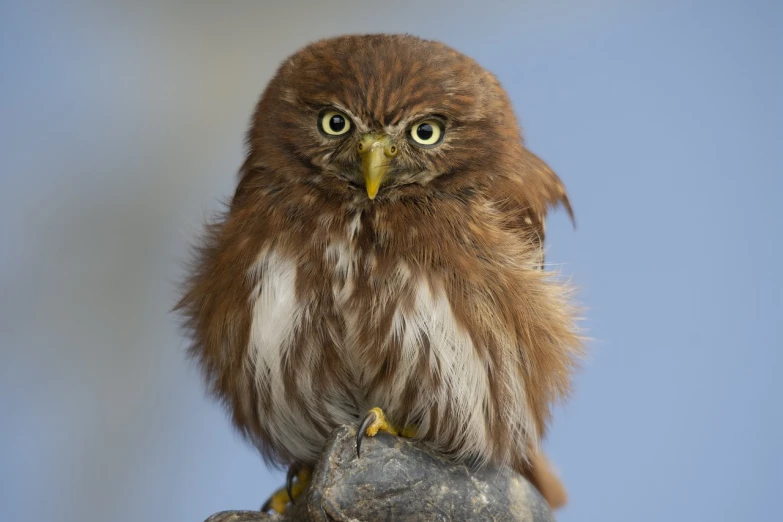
(398, 479)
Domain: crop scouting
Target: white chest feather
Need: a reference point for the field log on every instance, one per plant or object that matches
(278, 314)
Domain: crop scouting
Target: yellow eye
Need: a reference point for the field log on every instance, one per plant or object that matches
(427, 133)
(334, 123)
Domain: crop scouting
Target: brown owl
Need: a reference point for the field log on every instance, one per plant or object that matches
(381, 264)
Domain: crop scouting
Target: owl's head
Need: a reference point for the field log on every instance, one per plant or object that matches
(381, 115)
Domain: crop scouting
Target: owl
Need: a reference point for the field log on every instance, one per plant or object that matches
(381, 264)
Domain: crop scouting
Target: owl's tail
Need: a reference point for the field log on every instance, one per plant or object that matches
(543, 476)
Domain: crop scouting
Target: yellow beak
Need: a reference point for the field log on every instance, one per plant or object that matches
(377, 152)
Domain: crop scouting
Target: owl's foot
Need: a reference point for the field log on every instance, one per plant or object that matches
(376, 421)
(292, 490)
(302, 475)
(277, 502)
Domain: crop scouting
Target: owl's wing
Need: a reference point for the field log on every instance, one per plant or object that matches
(538, 189)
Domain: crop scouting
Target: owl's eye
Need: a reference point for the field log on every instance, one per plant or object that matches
(427, 133)
(334, 123)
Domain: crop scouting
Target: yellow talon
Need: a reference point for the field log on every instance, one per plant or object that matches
(292, 491)
(376, 421)
(379, 424)
(277, 502)
(302, 481)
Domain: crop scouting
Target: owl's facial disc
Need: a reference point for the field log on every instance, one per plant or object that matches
(377, 152)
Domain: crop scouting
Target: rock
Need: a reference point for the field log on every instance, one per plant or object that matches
(244, 516)
(399, 479)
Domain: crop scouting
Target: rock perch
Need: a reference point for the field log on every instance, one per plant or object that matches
(398, 479)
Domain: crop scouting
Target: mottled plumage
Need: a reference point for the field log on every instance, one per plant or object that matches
(309, 302)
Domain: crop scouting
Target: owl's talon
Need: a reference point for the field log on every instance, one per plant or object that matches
(292, 490)
(277, 502)
(376, 421)
(369, 419)
(289, 480)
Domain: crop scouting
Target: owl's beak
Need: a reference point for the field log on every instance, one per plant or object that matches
(377, 152)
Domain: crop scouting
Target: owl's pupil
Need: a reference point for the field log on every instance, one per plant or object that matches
(337, 123)
(425, 131)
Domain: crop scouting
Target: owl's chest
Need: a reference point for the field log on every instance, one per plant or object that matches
(364, 276)
(364, 306)
(360, 289)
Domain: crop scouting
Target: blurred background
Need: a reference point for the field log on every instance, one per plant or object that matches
(121, 129)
